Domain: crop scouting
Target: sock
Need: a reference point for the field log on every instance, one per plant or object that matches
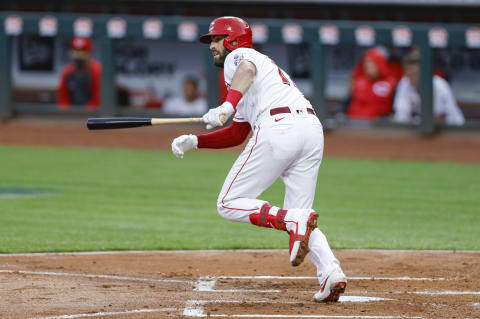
(321, 254)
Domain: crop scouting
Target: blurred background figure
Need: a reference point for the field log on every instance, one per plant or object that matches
(394, 63)
(407, 101)
(372, 86)
(190, 103)
(80, 80)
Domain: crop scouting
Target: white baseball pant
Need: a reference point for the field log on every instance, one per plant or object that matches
(289, 146)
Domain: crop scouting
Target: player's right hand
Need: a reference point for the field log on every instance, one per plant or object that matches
(184, 143)
(219, 115)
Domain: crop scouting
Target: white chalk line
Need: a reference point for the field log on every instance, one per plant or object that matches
(195, 308)
(48, 273)
(206, 284)
(439, 293)
(113, 313)
(361, 299)
(121, 252)
(403, 278)
(246, 290)
(269, 301)
(311, 316)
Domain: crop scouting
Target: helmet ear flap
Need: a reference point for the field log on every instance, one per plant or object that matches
(227, 43)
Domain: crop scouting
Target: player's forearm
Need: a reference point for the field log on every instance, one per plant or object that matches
(243, 77)
(230, 136)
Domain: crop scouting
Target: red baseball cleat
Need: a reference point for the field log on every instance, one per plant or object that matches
(300, 235)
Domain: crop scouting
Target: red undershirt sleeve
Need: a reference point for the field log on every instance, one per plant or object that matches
(230, 136)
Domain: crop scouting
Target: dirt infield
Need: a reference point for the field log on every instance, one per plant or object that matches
(397, 144)
(259, 284)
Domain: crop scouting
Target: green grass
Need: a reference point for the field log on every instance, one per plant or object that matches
(94, 199)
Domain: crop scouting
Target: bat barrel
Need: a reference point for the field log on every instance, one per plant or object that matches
(117, 122)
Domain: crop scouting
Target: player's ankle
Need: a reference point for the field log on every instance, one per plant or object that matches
(269, 216)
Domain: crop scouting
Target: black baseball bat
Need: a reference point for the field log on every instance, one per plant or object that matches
(106, 123)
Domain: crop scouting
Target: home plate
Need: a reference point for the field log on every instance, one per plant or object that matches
(360, 299)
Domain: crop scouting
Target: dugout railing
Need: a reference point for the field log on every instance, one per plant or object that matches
(318, 34)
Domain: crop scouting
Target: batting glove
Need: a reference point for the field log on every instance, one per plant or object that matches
(184, 143)
(219, 115)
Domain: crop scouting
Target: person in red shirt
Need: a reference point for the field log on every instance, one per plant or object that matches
(373, 86)
(80, 80)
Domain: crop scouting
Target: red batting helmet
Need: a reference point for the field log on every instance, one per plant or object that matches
(80, 43)
(234, 28)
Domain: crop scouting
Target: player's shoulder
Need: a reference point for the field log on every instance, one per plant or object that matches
(95, 66)
(245, 51)
(240, 54)
(440, 82)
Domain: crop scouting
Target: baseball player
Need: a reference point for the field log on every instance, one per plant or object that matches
(287, 142)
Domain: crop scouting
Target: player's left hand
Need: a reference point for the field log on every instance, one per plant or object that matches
(218, 116)
(184, 143)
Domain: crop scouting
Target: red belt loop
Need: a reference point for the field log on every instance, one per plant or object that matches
(286, 109)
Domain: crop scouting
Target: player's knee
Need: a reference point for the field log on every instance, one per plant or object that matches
(222, 210)
(224, 205)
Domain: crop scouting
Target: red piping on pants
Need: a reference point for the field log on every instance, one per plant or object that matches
(251, 151)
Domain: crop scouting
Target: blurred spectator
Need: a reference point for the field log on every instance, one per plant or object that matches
(372, 87)
(395, 63)
(151, 98)
(190, 103)
(415, 50)
(80, 80)
(407, 102)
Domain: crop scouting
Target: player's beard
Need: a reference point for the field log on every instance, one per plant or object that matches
(220, 61)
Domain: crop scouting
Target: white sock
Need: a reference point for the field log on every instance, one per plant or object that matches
(321, 254)
(273, 211)
(292, 217)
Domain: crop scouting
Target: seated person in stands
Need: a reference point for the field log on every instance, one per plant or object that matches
(407, 101)
(80, 80)
(372, 87)
(190, 103)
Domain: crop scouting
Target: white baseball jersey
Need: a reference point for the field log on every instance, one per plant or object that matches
(407, 101)
(271, 87)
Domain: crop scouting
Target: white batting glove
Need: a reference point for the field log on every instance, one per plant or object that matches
(219, 115)
(184, 143)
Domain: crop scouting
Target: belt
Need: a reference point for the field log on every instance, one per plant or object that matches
(286, 109)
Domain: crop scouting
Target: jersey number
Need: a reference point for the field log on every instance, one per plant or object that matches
(285, 80)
